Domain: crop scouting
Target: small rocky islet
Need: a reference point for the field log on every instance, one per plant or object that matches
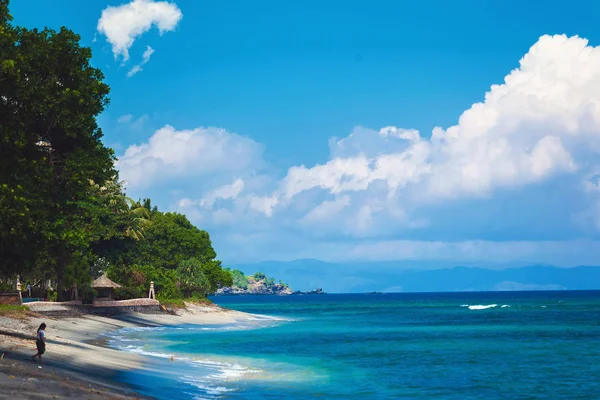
(260, 284)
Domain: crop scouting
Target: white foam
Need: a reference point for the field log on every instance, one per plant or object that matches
(213, 376)
(479, 307)
(259, 317)
(505, 306)
(205, 386)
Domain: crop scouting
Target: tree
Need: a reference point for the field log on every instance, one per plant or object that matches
(171, 239)
(238, 278)
(192, 278)
(50, 149)
(259, 276)
(217, 276)
(63, 212)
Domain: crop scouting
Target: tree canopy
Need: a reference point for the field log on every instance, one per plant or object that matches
(64, 215)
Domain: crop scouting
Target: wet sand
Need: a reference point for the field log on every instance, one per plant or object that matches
(77, 363)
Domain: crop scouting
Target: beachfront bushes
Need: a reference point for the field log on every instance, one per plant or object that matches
(136, 279)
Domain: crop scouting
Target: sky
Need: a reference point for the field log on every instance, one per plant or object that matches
(462, 132)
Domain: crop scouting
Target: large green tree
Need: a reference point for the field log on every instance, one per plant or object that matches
(50, 149)
(171, 239)
(170, 242)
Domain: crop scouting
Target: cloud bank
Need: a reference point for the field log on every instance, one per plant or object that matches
(539, 128)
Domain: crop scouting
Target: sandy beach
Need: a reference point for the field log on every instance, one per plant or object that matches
(77, 362)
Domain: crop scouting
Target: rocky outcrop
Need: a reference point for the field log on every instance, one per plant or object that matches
(316, 291)
(256, 286)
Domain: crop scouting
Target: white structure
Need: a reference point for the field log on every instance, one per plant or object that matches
(19, 289)
(151, 293)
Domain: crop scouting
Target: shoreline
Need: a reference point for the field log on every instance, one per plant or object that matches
(78, 360)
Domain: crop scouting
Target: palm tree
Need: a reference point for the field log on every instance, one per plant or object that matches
(113, 194)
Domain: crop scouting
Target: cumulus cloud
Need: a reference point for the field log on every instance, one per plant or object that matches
(172, 153)
(541, 125)
(224, 192)
(122, 25)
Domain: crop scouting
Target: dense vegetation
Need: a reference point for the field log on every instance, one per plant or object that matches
(241, 281)
(64, 216)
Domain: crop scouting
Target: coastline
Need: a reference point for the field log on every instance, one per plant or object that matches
(78, 361)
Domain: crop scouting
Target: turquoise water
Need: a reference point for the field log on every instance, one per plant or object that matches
(502, 345)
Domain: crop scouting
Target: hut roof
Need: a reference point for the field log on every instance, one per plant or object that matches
(104, 282)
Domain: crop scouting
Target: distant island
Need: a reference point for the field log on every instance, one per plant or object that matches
(405, 276)
(259, 284)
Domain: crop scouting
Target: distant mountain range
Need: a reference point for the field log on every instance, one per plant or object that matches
(399, 277)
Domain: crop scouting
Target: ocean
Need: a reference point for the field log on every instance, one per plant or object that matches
(497, 345)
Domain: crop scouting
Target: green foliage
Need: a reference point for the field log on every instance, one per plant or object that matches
(171, 239)
(124, 293)
(86, 293)
(239, 279)
(64, 214)
(50, 148)
(192, 278)
(170, 302)
(259, 276)
(217, 276)
(52, 295)
(269, 282)
(12, 311)
(137, 279)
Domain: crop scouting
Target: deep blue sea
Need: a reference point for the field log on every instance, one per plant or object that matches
(501, 345)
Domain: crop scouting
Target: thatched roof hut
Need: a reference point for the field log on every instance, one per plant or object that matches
(104, 287)
(103, 283)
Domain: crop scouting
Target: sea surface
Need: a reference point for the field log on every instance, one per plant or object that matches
(501, 345)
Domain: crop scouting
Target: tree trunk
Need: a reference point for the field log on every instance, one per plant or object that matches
(62, 261)
(59, 283)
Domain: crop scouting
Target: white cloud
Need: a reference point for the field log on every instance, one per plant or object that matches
(123, 24)
(536, 125)
(541, 125)
(327, 210)
(134, 70)
(145, 58)
(224, 192)
(263, 204)
(147, 53)
(171, 154)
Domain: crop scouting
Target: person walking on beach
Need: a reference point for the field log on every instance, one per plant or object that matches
(40, 343)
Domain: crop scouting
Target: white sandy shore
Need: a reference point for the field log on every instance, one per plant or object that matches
(75, 354)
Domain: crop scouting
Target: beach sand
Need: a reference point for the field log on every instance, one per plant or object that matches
(77, 363)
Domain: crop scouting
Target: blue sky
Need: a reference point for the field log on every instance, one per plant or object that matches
(289, 129)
